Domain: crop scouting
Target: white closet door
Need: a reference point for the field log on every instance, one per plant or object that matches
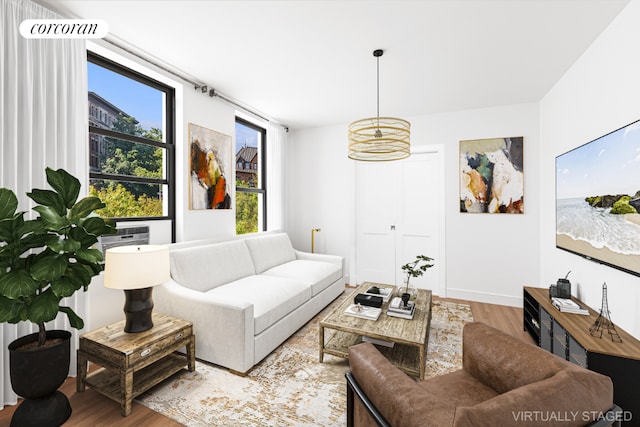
(417, 232)
(376, 212)
(400, 215)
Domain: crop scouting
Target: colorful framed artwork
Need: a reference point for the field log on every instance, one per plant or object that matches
(492, 175)
(210, 160)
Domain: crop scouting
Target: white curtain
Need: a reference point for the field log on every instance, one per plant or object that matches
(276, 176)
(43, 122)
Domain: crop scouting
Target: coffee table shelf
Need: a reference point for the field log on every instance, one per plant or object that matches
(338, 332)
(405, 357)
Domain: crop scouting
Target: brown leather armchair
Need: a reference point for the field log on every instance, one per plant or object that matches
(503, 382)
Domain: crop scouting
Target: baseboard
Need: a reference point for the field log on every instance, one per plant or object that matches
(485, 297)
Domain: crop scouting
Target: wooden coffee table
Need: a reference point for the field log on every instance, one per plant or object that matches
(410, 337)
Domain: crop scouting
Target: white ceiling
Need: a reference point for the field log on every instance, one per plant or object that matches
(310, 63)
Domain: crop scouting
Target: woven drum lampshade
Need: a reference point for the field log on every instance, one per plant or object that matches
(379, 139)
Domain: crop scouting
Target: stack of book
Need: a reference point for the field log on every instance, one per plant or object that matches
(398, 309)
(567, 305)
(363, 311)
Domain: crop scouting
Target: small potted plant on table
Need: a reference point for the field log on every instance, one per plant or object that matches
(414, 269)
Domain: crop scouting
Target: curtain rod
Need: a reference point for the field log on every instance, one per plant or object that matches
(147, 57)
(138, 53)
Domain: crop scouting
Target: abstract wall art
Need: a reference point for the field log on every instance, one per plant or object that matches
(210, 161)
(492, 175)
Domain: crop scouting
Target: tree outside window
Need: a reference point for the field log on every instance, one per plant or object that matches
(131, 142)
(250, 181)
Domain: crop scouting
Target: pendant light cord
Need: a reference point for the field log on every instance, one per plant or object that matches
(378, 53)
(378, 89)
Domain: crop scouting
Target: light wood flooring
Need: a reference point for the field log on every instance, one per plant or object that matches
(91, 409)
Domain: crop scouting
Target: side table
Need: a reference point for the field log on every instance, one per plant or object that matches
(132, 363)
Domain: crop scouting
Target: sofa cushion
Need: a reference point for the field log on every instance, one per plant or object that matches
(269, 251)
(317, 274)
(205, 267)
(272, 297)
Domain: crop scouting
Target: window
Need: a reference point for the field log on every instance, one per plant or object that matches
(251, 186)
(131, 134)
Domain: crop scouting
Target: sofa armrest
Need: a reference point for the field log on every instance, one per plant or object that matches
(354, 391)
(332, 259)
(572, 397)
(224, 328)
(392, 393)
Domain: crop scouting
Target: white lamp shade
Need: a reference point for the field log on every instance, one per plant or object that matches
(136, 266)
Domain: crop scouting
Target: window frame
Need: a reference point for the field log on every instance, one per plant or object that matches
(169, 145)
(262, 150)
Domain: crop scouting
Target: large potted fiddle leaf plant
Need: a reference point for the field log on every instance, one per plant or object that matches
(42, 261)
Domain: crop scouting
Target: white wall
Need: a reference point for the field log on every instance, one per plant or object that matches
(212, 114)
(599, 94)
(489, 257)
(320, 191)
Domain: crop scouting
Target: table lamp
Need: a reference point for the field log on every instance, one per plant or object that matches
(136, 269)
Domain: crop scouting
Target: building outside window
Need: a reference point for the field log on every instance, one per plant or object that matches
(250, 177)
(131, 142)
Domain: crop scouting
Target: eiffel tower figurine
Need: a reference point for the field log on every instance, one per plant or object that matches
(603, 322)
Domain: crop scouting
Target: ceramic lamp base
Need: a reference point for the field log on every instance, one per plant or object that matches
(138, 307)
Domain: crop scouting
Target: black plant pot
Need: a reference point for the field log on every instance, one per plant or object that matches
(36, 375)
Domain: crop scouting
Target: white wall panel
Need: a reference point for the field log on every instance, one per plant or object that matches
(597, 95)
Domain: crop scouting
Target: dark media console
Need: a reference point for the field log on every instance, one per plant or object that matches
(567, 335)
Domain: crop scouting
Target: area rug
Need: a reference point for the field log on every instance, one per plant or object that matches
(290, 387)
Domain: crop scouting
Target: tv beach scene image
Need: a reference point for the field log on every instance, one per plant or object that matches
(598, 199)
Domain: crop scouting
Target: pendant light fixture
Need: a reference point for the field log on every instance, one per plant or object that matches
(379, 139)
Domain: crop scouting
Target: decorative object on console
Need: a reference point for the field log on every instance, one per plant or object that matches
(603, 322)
(598, 218)
(414, 269)
(378, 138)
(210, 168)
(562, 288)
(492, 175)
(136, 269)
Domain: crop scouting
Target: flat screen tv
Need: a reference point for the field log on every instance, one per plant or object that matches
(598, 199)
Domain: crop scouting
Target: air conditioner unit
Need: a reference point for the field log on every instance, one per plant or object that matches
(125, 236)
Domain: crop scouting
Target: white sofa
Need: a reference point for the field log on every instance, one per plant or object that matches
(247, 296)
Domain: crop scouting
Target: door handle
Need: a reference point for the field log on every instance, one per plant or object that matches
(393, 227)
